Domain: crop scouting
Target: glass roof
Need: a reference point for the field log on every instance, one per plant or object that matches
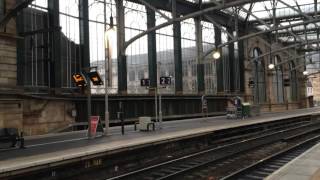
(263, 14)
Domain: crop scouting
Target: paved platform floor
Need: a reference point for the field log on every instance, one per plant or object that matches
(43, 150)
(304, 167)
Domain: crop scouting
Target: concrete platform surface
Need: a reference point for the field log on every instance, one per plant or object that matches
(43, 150)
(304, 167)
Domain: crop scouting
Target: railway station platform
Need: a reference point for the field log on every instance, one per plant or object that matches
(304, 167)
(53, 149)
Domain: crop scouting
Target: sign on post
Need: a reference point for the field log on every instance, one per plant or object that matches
(251, 83)
(145, 82)
(94, 121)
(204, 102)
(286, 82)
(204, 105)
(165, 80)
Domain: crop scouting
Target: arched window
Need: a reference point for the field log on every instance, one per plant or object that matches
(259, 77)
(293, 82)
(277, 80)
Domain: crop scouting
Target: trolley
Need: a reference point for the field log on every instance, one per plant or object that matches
(234, 112)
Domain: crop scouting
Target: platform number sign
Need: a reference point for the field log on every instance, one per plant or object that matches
(286, 82)
(165, 80)
(145, 82)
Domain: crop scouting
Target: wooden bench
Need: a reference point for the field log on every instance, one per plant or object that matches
(11, 135)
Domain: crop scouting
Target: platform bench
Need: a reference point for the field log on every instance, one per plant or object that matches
(144, 124)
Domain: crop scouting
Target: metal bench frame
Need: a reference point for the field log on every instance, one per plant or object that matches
(148, 126)
(13, 138)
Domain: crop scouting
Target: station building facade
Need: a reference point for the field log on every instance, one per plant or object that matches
(37, 94)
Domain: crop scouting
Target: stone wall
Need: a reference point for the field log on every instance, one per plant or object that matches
(11, 113)
(271, 103)
(316, 88)
(16, 110)
(43, 116)
(8, 51)
(10, 106)
(8, 61)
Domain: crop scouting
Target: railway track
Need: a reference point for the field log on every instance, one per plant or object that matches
(267, 166)
(227, 152)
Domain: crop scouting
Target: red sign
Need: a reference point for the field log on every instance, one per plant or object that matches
(94, 120)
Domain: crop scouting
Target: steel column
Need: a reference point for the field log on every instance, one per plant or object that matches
(152, 49)
(231, 62)
(200, 65)
(177, 51)
(220, 79)
(122, 61)
(55, 39)
(84, 33)
(85, 50)
(241, 63)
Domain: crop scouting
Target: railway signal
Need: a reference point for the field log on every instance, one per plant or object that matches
(79, 79)
(95, 78)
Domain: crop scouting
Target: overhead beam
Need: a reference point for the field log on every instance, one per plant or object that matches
(284, 48)
(248, 14)
(299, 32)
(153, 8)
(4, 21)
(275, 28)
(212, 3)
(185, 7)
(191, 15)
(282, 18)
(260, 33)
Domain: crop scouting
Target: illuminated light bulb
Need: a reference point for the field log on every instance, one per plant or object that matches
(216, 55)
(271, 66)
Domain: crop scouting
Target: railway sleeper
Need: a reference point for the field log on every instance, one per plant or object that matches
(251, 176)
(267, 170)
(168, 171)
(260, 173)
(273, 166)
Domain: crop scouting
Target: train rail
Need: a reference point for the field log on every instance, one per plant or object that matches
(267, 166)
(226, 152)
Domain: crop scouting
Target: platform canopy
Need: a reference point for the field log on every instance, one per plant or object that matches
(291, 22)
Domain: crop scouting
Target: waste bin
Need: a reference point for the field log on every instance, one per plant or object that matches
(246, 109)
